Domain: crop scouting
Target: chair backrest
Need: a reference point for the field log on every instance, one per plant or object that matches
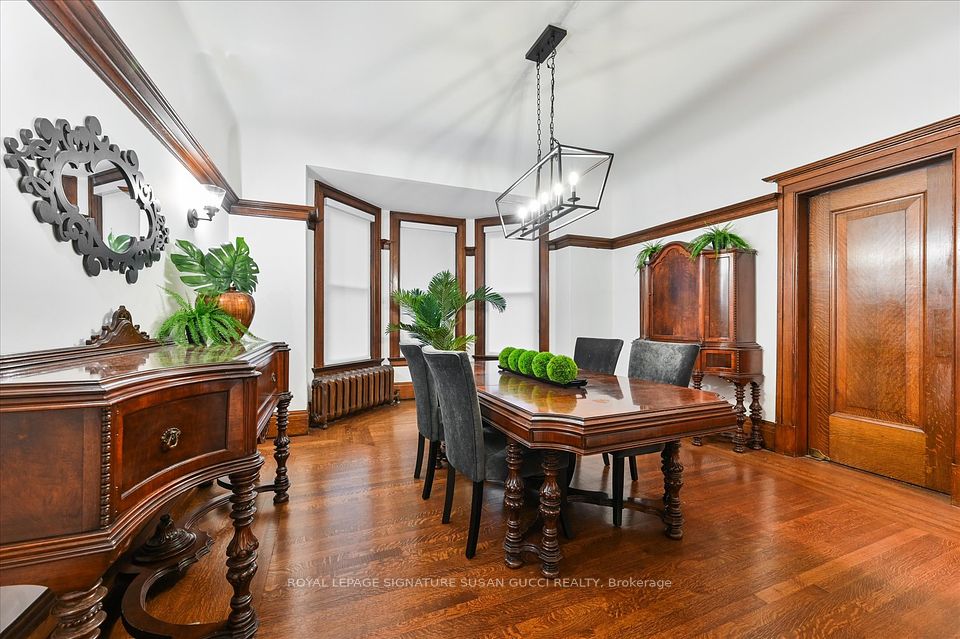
(597, 354)
(664, 362)
(462, 424)
(424, 392)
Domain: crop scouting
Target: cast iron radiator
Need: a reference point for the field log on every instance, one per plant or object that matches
(336, 395)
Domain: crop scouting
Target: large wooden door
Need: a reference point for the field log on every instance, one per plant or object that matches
(881, 348)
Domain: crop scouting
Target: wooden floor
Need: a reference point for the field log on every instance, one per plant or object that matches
(773, 547)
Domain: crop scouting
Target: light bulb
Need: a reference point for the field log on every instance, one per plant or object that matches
(558, 189)
(573, 178)
(522, 213)
(534, 205)
(544, 198)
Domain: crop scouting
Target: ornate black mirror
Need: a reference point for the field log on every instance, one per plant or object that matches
(91, 192)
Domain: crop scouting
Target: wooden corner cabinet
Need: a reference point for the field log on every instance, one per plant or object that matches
(99, 439)
(711, 301)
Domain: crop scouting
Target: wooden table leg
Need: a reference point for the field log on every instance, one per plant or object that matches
(281, 450)
(80, 613)
(738, 437)
(698, 384)
(672, 482)
(756, 417)
(242, 552)
(550, 498)
(513, 502)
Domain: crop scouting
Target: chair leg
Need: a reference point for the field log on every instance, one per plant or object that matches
(618, 491)
(431, 469)
(420, 444)
(565, 526)
(448, 499)
(606, 459)
(634, 476)
(475, 510)
(572, 459)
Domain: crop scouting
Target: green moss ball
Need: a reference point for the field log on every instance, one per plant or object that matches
(504, 358)
(539, 364)
(513, 359)
(526, 362)
(562, 369)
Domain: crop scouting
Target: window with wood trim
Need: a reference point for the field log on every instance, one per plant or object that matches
(347, 323)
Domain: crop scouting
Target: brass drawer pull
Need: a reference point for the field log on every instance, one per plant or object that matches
(169, 439)
(273, 377)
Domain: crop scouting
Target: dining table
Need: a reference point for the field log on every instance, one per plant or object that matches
(606, 414)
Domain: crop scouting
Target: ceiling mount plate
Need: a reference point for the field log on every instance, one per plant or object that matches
(546, 44)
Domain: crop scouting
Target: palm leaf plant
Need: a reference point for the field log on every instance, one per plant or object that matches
(433, 313)
(647, 251)
(223, 268)
(718, 238)
(202, 323)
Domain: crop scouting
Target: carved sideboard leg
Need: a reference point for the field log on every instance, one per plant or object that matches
(738, 437)
(242, 552)
(756, 417)
(281, 452)
(672, 482)
(80, 613)
(550, 513)
(698, 384)
(513, 502)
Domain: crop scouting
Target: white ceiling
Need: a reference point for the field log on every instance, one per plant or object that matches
(449, 80)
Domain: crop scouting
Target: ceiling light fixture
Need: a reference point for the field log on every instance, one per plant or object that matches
(564, 185)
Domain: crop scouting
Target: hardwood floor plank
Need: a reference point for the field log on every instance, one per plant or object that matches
(773, 546)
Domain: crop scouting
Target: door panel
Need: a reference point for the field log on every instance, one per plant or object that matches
(881, 271)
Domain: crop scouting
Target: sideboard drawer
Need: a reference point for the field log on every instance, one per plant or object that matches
(268, 384)
(164, 434)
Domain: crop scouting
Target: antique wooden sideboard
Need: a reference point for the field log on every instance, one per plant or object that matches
(97, 442)
(710, 300)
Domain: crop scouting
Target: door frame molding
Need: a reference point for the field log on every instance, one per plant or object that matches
(937, 141)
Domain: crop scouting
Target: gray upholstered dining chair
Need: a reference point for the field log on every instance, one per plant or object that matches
(663, 362)
(428, 412)
(598, 355)
(477, 452)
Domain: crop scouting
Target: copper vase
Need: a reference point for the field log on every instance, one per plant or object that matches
(238, 304)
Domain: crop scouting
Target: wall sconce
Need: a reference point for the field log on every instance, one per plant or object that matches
(212, 200)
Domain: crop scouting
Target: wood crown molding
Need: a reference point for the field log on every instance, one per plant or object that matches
(768, 202)
(255, 208)
(84, 27)
(942, 128)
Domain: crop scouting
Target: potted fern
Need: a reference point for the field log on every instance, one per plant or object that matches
(647, 251)
(718, 238)
(202, 323)
(226, 273)
(433, 313)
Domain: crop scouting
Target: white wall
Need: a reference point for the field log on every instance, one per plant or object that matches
(47, 298)
(174, 57)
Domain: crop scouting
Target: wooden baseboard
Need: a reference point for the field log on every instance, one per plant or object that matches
(298, 423)
(404, 389)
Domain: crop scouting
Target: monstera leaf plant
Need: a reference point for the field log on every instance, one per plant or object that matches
(227, 273)
(433, 312)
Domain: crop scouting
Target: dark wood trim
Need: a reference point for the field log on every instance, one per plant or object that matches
(397, 361)
(321, 192)
(347, 366)
(460, 224)
(480, 279)
(384, 245)
(84, 27)
(723, 214)
(921, 135)
(584, 241)
(255, 208)
(31, 618)
(471, 251)
(298, 423)
(404, 390)
(895, 153)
